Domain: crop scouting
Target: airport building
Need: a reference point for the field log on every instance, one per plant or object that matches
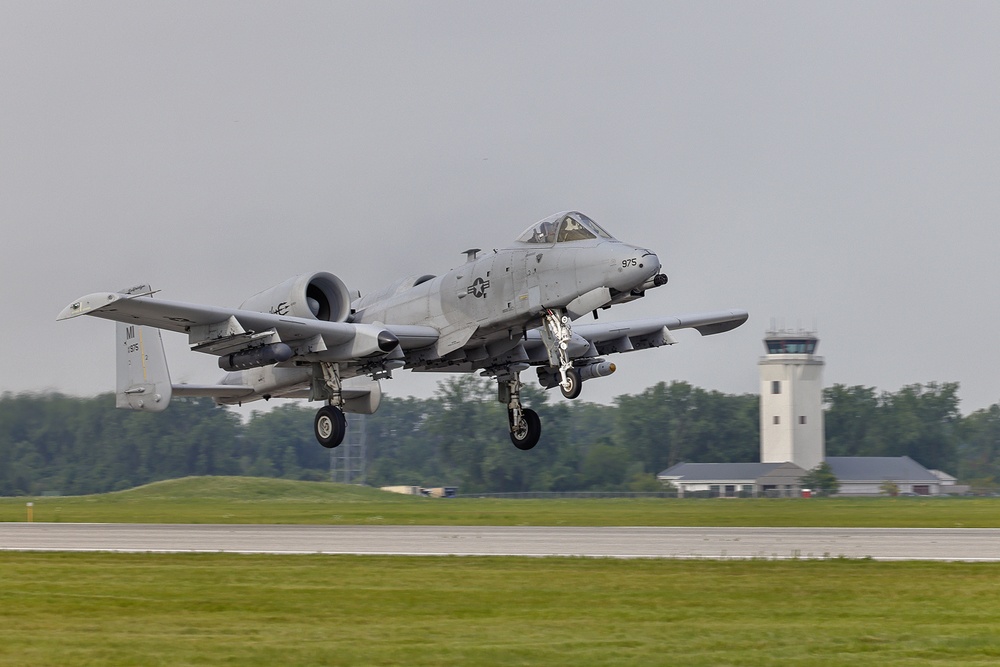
(734, 480)
(791, 400)
(792, 439)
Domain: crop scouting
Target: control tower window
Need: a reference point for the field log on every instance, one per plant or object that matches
(791, 346)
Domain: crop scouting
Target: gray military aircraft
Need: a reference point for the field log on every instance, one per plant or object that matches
(498, 314)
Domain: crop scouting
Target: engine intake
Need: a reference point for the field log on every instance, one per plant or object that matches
(314, 296)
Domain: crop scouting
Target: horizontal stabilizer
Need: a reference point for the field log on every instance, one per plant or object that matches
(213, 390)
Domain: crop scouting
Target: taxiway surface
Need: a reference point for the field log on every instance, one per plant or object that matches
(966, 544)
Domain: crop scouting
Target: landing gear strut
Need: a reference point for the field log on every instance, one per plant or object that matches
(330, 424)
(525, 426)
(556, 335)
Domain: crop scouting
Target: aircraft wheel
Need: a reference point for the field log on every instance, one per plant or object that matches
(330, 426)
(531, 430)
(575, 384)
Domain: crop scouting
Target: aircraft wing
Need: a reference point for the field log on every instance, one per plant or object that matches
(218, 330)
(610, 337)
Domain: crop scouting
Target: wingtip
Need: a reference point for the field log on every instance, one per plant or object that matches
(87, 304)
(737, 318)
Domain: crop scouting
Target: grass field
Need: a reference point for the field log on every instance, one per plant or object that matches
(144, 609)
(256, 500)
(225, 609)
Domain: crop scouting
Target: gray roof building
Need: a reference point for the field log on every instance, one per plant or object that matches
(865, 475)
(879, 469)
(732, 479)
(857, 475)
(710, 472)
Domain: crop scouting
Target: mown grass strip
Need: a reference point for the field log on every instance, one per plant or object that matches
(144, 609)
(255, 500)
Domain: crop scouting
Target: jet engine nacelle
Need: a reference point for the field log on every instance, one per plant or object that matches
(313, 296)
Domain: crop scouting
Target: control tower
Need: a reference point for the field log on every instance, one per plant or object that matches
(791, 400)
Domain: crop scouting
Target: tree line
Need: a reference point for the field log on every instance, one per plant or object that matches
(52, 443)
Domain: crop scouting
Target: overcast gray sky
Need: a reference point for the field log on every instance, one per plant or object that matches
(829, 165)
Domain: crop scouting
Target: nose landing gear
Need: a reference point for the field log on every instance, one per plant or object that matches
(572, 385)
(556, 335)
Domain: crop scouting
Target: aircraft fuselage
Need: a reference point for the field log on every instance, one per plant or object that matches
(509, 289)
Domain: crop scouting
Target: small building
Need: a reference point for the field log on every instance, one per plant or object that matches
(733, 480)
(950, 485)
(866, 475)
(783, 482)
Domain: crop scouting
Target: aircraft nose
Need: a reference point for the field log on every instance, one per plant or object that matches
(647, 264)
(650, 261)
(636, 267)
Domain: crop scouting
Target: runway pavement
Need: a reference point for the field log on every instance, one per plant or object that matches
(966, 544)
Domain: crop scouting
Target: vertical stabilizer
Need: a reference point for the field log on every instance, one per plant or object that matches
(143, 381)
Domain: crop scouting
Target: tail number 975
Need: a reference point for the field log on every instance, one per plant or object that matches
(631, 261)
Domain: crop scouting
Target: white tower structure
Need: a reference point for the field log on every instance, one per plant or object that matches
(791, 400)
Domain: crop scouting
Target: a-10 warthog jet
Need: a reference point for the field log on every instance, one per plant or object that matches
(498, 314)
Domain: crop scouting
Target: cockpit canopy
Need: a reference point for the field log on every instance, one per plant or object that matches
(564, 227)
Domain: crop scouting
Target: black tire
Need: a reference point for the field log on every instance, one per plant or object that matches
(531, 432)
(330, 426)
(575, 384)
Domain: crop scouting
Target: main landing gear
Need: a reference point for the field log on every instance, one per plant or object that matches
(525, 426)
(330, 424)
(526, 434)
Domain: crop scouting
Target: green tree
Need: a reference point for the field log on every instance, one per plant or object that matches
(821, 480)
(979, 449)
(849, 419)
(668, 424)
(919, 421)
(889, 488)
(604, 467)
